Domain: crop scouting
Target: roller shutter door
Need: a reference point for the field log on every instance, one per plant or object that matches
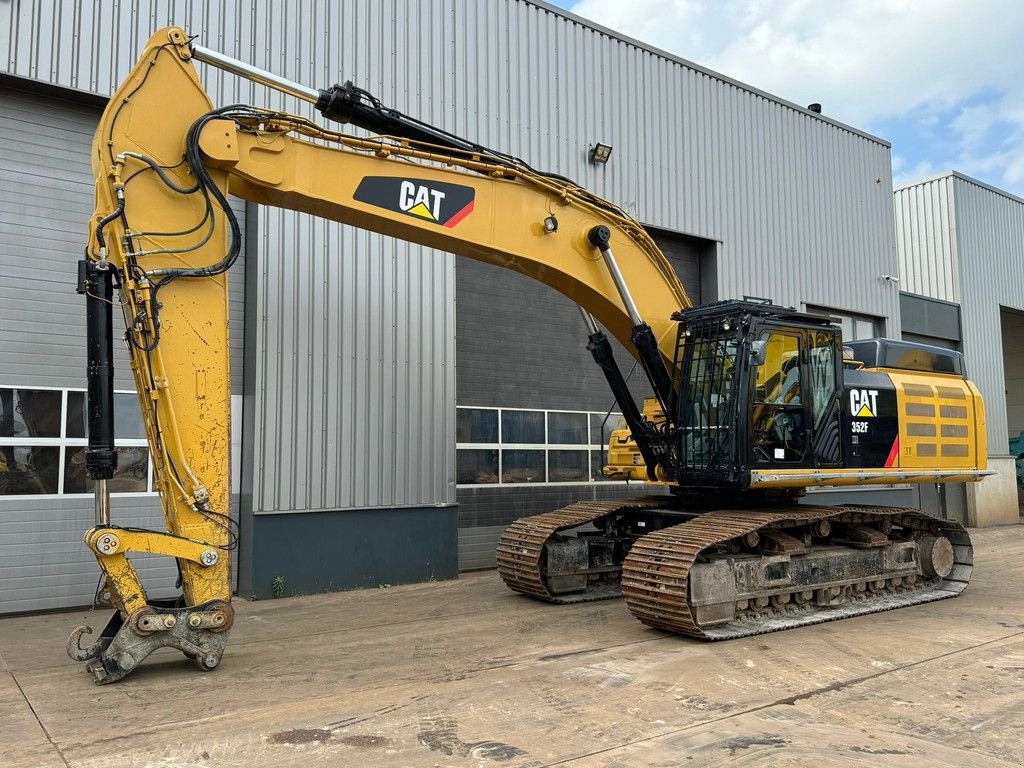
(46, 198)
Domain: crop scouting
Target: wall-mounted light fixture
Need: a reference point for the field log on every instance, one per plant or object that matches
(600, 153)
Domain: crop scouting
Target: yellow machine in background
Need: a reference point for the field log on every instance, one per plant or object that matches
(752, 403)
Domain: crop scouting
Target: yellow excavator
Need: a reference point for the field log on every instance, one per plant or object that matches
(753, 403)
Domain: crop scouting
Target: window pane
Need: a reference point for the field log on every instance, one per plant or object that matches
(28, 470)
(567, 428)
(864, 328)
(567, 466)
(778, 428)
(29, 413)
(522, 466)
(823, 372)
(778, 378)
(130, 476)
(854, 326)
(597, 461)
(597, 437)
(128, 417)
(76, 414)
(522, 427)
(476, 465)
(476, 425)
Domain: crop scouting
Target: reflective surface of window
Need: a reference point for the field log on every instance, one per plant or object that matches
(475, 466)
(567, 428)
(522, 466)
(30, 413)
(567, 466)
(522, 426)
(476, 425)
(37, 459)
(531, 446)
(29, 470)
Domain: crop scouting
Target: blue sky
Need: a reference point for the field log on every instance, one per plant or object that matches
(942, 80)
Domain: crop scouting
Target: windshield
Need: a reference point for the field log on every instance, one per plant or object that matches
(708, 391)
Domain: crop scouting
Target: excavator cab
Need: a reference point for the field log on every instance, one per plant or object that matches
(759, 389)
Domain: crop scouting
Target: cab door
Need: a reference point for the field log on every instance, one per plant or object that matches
(779, 423)
(824, 371)
(796, 415)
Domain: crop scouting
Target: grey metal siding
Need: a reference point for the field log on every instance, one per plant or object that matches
(926, 239)
(990, 241)
(46, 198)
(43, 562)
(962, 240)
(355, 399)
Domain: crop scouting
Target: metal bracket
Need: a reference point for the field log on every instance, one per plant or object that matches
(200, 632)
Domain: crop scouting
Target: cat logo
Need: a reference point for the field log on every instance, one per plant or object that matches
(420, 200)
(433, 201)
(864, 402)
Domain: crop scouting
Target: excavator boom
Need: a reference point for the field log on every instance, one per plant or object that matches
(165, 162)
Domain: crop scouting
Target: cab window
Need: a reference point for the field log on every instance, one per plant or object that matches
(778, 417)
(823, 373)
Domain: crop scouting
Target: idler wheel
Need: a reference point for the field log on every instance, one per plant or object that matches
(936, 554)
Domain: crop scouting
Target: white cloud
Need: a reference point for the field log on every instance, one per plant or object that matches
(865, 61)
(904, 174)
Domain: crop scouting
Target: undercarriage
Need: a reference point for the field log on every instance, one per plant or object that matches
(735, 572)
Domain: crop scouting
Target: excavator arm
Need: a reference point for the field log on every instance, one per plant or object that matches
(164, 236)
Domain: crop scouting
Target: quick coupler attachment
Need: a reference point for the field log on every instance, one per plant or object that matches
(200, 632)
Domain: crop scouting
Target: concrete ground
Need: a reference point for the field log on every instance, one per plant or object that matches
(465, 673)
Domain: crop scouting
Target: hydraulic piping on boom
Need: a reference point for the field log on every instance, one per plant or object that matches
(753, 403)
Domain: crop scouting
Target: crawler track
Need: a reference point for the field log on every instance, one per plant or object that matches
(520, 551)
(656, 572)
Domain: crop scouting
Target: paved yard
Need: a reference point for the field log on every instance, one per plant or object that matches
(465, 673)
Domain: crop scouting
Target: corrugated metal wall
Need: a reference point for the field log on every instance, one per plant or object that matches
(355, 402)
(926, 239)
(990, 241)
(783, 190)
(963, 241)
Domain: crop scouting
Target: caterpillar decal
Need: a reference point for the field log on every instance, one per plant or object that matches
(864, 402)
(434, 201)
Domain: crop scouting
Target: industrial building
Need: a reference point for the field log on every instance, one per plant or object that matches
(394, 408)
(961, 243)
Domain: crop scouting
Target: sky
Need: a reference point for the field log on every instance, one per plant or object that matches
(942, 80)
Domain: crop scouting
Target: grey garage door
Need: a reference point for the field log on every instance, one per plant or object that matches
(46, 198)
